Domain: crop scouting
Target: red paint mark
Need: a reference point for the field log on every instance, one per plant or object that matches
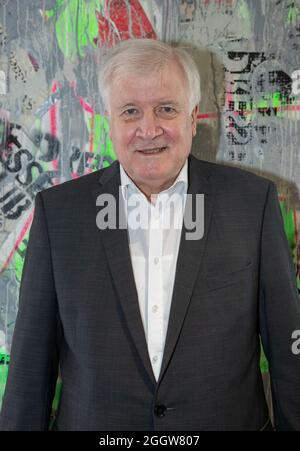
(106, 35)
(248, 112)
(92, 134)
(53, 123)
(266, 110)
(88, 109)
(207, 116)
(34, 62)
(91, 143)
(123, 20)
(296, 226)
(86, 106)
(18, 242)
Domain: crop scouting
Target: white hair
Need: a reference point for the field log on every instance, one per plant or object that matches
(143, 56)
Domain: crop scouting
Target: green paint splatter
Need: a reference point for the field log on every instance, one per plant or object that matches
(102, 139)
(244, 11)
(102, 144)
(4, 358)
(19, 257)
(4, 361)
(264, 366)
(274, 100)
(76, 26)
(56, 401)
(293, 14)
(289, 227)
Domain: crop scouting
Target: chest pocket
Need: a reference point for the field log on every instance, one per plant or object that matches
(224, 279)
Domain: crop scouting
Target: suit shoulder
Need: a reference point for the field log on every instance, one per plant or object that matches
(75, 187)
(231, 176)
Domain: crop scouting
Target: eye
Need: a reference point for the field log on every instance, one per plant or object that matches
(166, 111)
(130, 113)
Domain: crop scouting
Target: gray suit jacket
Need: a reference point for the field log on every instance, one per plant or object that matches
(79, 309)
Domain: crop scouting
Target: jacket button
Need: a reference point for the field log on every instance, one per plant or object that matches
(160, 410)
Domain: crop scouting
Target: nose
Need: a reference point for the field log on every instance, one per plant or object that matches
(149, 126)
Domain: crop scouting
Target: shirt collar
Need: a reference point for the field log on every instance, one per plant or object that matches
(182, 178)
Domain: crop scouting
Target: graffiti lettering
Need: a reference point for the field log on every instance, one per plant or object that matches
(238, 66)
(16, 67)
(253, 88)
(30, 176)
(80, 161)
(3, 37)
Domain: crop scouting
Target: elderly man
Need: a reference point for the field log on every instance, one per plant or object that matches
(152, 328)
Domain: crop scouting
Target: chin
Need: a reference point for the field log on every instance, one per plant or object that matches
(156, 172)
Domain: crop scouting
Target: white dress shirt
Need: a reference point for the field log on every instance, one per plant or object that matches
(154, 251)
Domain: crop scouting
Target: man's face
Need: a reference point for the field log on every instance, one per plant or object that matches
(151, 127)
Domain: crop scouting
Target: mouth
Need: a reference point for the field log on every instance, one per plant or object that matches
(153, 151)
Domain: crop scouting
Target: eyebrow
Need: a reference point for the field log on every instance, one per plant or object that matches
(126, 106)
(172, 102)
(162, 102)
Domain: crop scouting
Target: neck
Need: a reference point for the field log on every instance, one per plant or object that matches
(151, 192)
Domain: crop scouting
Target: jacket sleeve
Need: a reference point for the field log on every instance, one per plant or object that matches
(279, 315)
(34, 356)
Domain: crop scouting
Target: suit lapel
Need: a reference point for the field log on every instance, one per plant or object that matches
(189, 259)
(116, 246)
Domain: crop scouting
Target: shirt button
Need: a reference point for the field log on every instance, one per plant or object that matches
(154, 308)
(156, 260)
(154, 359)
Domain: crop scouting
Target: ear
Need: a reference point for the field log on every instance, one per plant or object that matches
(194, 115)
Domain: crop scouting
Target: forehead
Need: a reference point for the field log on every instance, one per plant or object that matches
(164, 84)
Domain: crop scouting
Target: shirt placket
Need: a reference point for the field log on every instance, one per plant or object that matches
(155, 291)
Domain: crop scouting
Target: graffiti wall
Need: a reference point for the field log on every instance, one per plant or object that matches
(52, 126)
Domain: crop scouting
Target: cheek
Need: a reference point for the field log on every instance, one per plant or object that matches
(173, 133)
(181, 132)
